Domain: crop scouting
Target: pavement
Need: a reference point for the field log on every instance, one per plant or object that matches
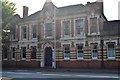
(60, 73)
(76, 70)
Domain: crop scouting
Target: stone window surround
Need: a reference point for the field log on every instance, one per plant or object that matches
(98, 28)
(31, 31)
(94, 44)
(111, 58)
(52, 29)
(65, 43)
(62, 31)
(75, 26)
(21, 32)
(12, 52)
(80, 58)
(21, 52)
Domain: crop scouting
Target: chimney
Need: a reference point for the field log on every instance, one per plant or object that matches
(88, 2)
(25, 11)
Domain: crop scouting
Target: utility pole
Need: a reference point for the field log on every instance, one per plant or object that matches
(102, 56)
(54, 55)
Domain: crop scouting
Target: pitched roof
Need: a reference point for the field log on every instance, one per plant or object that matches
(111, 28)
(67, 10)
(63, 11)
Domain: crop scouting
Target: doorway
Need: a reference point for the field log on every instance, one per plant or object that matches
(48, 57)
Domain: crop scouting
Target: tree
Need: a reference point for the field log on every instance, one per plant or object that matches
(8, 12)
(8, 15)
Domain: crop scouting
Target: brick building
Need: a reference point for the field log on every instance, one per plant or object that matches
(72, 36)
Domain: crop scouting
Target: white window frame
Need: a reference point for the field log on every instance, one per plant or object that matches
(62, 28)
(45, 30)
(12, 54)
(75, 34)
(21, 34)
(94, 58)
(89, 27)
(111, 58)
(80, 58)
(22, 53)
(68, 58)
(32, 31)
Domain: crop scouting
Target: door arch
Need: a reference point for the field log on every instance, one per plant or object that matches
(48, 57)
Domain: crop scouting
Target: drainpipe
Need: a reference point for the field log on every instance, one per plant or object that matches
(102, 56)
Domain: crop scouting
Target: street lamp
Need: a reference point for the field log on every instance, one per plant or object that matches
(54, 55)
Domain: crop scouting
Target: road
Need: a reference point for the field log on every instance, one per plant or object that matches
(37, 75)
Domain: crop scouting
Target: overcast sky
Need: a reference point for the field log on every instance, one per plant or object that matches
(110, 6)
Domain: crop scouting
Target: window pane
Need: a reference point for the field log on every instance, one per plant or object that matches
(79, 26)
(66, 27)
(34, 31)
(67, 52)
(94, 52)
(80, 51)
(13, 52)
(23, 52)
(111, 50)
(93, 25)
(24, 32)
(33, 52)
(48, 29)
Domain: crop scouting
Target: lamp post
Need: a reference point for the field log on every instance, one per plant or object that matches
(102, 61)
(54, 55)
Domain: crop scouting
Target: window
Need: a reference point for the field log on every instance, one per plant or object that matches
(94, 52)
(14, 33)
(80, 53)
(4, 52)
(24, 32)
(67, 52)
(93, 25)
(48, 29)
(79, 26)
(13, 52)
(66, 27)
(33, 52)
(34, 31)
(23, 52)
(111, 51)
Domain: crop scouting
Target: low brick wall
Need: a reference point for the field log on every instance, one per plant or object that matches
(89, 64)
(21, 64)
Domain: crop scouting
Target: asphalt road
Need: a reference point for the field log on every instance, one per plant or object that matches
(35, 75)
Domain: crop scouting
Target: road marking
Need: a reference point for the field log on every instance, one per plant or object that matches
(23, 73)
(96, 76)
(83, 76)
(9, 72)
(51, 74)
(39, 72)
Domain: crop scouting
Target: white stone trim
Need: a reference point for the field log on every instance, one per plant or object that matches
(105, 41)
(79, 42)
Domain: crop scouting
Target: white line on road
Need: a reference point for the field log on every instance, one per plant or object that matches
(83, 76)
(96, 76)
(51, 74)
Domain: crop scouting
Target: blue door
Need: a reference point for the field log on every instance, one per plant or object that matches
(48, 57)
